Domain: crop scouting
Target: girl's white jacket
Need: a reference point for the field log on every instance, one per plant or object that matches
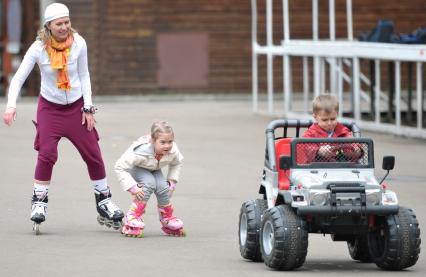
(141, 153)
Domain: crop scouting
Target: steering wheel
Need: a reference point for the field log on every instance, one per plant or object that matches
(347, 152)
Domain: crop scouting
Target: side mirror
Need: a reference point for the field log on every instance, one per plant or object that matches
(285, 162)
(388, 162)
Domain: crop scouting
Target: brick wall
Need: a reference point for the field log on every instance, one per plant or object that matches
(123, 36)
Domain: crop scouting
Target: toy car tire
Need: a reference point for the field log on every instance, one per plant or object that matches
(283, 238)
(249, 226)
(395, 244)
(358, 249)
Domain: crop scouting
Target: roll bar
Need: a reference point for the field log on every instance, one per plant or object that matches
(298, 124)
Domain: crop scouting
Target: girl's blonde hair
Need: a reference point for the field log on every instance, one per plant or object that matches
(325, 102)
(161, 127)
(44, 34)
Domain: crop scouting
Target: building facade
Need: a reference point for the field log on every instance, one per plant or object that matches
(155, 46)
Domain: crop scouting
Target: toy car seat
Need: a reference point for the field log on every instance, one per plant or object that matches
(282, 147)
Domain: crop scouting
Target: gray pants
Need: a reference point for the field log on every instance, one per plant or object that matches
(152, 182)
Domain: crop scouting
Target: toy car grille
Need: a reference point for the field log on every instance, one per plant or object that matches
(349, 153)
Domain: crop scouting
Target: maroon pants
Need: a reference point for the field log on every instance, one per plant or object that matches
(55, 121)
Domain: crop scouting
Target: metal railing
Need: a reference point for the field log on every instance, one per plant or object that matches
(379, 109)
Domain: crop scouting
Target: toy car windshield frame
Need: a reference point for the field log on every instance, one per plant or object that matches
(365, 143)
(285, 125)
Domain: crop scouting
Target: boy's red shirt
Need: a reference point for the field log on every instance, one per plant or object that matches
(315, 131)
(307, 155)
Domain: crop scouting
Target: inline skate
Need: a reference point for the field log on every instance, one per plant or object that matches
(171, 225)
(38, 212)
(109, 214)
(133, 224)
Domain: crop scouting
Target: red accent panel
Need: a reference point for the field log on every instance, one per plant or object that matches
(282, 147)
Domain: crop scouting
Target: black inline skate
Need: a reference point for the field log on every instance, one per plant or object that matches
(109, 214)
(38, 212)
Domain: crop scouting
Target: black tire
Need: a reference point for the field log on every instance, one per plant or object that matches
(249, 227)
(358, 249)
(395, 243)
(283, 238)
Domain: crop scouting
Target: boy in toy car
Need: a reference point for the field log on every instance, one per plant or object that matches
(325, 108)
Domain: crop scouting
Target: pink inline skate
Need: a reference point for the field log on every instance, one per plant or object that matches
(133, 223)
(171, 225)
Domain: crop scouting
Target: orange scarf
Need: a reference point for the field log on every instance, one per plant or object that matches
(58, 53)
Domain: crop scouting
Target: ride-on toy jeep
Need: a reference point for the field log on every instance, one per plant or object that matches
(326, 186)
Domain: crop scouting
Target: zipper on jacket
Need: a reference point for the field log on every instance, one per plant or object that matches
(158, 161)
(66, 97)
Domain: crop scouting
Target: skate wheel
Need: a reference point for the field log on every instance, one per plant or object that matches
(175, 233)
(117, 225)
(132, 232)
(179, 233)
(134, 236)
(100, 220)
(36, 228)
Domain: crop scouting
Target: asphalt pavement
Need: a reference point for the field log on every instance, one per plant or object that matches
(223, 143)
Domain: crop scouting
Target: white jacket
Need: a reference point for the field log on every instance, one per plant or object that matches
(78, 72)
(141, 153)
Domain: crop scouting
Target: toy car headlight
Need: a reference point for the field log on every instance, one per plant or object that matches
(373, 198)
(319, 198)
(389, 198)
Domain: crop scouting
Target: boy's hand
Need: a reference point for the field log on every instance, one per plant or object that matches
(354, 152)
(346, 152)
(326, 151)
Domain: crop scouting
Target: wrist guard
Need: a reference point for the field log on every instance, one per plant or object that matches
(90, 109)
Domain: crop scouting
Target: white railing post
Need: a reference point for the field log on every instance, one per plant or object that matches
(286, 21)
(287, 82)
(270, 82)
(323, 72)
(254, 73)
(315, 36)
(333, 76)
(317, 75)
(349, 19)
(357, 89)
(270, 65)
(419, 90)
(340, 86)
(305, 84)
(332, 19)
(315, 19)
(397, 94)
(377, 90)
(332, 30)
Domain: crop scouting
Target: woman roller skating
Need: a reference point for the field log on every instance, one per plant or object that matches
(65, 110)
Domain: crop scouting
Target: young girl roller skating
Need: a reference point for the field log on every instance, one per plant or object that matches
(139, 172)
